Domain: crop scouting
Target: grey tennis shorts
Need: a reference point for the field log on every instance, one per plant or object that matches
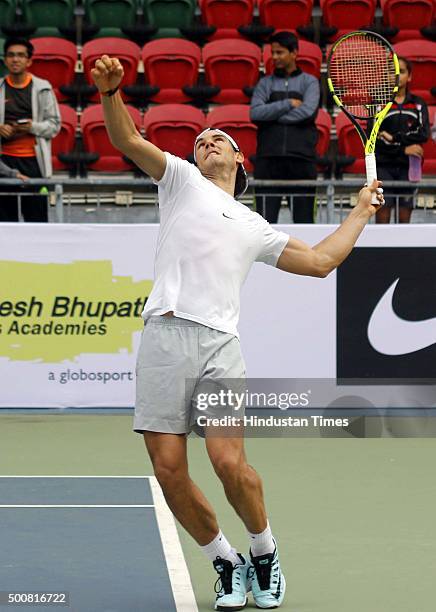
(182, 368)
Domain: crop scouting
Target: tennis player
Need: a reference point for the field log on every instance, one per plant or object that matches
(207, 244)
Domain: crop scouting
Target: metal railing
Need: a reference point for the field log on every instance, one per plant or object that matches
(133, 200)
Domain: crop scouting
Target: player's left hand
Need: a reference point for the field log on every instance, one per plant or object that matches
(364, 201)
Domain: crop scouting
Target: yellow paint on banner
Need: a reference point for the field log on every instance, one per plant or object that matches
(56, 312)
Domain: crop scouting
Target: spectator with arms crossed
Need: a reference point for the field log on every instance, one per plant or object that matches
(284, 107)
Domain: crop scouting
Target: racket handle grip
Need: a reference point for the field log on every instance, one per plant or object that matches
(371, 173)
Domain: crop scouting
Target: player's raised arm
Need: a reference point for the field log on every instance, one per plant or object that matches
(107, 75)
(299, 258)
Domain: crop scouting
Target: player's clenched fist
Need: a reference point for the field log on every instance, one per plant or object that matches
(107, 73)
(366, 194)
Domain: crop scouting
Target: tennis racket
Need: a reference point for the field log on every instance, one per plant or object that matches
(362, 75)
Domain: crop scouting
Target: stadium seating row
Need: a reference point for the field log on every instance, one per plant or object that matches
(173, 128)
(111, 17)
(172, 65)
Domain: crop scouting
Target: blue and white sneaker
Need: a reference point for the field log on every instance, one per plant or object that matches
(267, 581)
(231, 584)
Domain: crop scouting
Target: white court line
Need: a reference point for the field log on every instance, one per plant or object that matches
(76, 506)
(180, 579)
(177, 569)
(70, 476)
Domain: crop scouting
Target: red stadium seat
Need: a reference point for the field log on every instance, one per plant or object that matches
(64, 142)
(422, 54)
(231, 65)
(174, 127)
(226, 16)
(409, 16)
(96, 139)
(285, 14)
(235, 119)
(54, 59)
(171, 63)
(323, 124)
(347, 15)
(309, 58)
(126, 51)
(349, 144)
(430, 147)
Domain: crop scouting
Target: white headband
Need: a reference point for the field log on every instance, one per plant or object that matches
(241, 175)
(229, 138)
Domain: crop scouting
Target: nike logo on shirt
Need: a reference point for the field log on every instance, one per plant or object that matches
(389, 334)
(227, 217)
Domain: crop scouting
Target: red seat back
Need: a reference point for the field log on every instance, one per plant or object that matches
(126, 51)
(96, 139)
(349, 143)
(54, 59)
(430, 146)
(422, 54)
(285, 14)
(408, 14)
(227, 13)
(309, 58)
(232, 65)
(323, 125)
(174, 127)
(65, 140)
(348, 14)
(235, 120)
(171, 63)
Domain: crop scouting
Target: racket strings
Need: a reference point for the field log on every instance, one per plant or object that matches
(363, 75)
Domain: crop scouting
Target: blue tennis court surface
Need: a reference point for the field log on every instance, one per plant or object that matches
(97, 538)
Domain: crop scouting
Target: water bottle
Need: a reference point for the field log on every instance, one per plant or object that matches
(415, 168)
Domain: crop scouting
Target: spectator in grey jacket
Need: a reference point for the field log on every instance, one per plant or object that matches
(284, 107)
(29, 119)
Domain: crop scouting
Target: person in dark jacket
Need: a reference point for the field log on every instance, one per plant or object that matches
(284, 107)
(405, 128)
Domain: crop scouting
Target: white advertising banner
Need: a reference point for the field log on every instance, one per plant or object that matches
(71, 298)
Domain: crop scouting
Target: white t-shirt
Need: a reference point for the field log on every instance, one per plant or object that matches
(207, 243)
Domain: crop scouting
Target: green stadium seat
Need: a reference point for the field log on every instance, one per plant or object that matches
(49, 16)
(111, 16)
(169, 16)
(7, 12)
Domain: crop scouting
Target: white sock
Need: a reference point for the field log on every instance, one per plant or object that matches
(262, 543)
(220, 547)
